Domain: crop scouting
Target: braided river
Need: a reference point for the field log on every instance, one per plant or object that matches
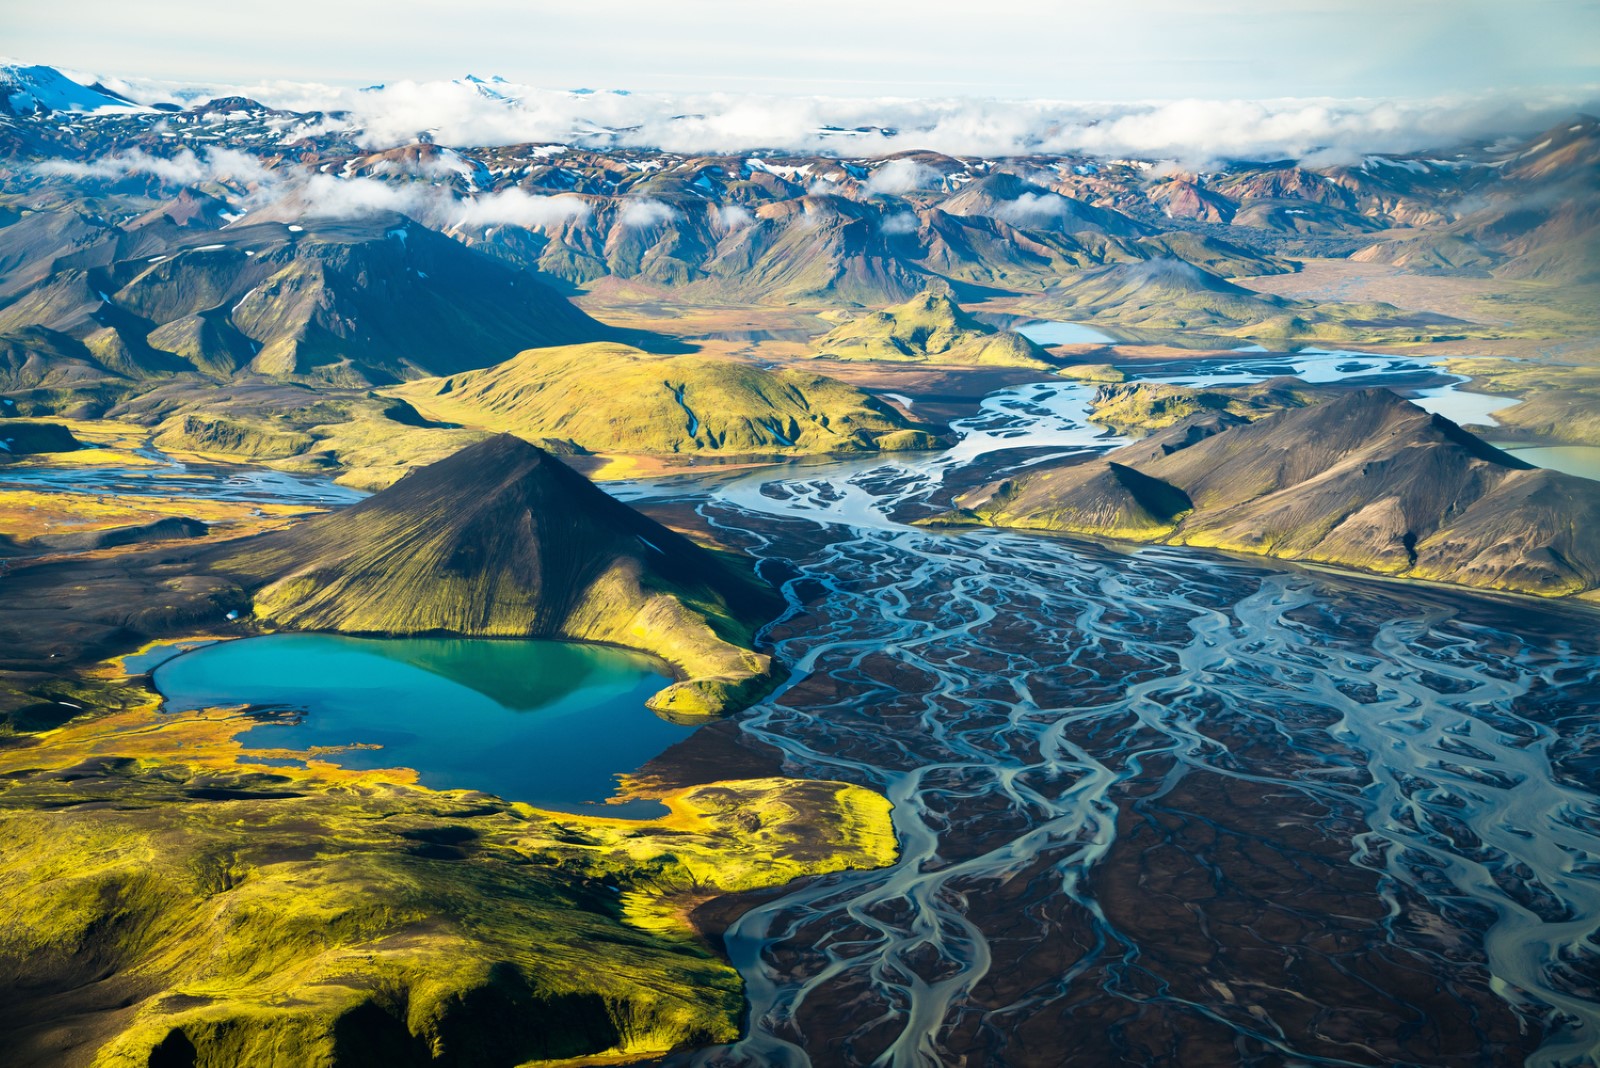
(1159, 805)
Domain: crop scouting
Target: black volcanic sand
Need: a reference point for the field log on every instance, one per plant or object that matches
(1244, 904)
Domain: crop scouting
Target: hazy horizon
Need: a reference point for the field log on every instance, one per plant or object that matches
(1141, 50)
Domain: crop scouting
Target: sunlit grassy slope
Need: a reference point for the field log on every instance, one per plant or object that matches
(162, 905)
(617, 399)
(929, 328)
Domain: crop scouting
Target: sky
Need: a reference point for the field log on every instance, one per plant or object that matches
(1107, 50)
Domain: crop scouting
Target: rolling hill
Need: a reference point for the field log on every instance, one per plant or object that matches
(1169, 294)
(929, 328)
(610, 398)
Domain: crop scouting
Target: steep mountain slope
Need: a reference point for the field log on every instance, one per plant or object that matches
(41, 90)
(1367, 481)
(616, 399)
(930, 327)
(374, 301)
(1025, 205)
(501, 540)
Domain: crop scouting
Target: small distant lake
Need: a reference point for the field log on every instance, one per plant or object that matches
(1463, 407)
(1580, 460)
(549, 723)
(1048, 334)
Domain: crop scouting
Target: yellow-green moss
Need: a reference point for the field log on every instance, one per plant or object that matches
(286, 917)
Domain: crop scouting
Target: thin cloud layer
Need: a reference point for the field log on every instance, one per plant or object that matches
(1034, 209)
(471, 113)
(899, 176)
(184, 168)
(289, 193)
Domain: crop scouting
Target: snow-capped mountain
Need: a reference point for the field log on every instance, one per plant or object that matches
(31, 89)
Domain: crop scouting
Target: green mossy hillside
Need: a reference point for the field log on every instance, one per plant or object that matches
(161, 905)
(1559, 401)
(609, 398)
(1139, 408)
(1093, 372)
(234, 438)
(929, 328)
(23, 437)
(1167, 295)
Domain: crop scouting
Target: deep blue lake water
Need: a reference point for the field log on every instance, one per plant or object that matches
(549, 723)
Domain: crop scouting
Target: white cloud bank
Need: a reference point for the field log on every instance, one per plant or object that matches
(289, 193)
(465, 113)
(185, 168)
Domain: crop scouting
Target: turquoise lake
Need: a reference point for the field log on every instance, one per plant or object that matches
(549, 723)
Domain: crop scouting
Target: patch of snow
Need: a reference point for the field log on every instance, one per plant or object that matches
(648, 545)
(207, 248)
(782, 171)
(293, 229)
(1402, 164)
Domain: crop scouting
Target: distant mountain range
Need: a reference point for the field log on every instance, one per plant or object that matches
(224, 241)
(176, 289)
(767, 227)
